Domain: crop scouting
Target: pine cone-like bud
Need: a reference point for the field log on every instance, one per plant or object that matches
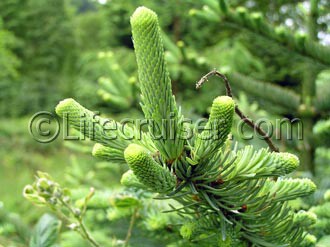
(128, 179)
(91, 125)
(148, 171)
(158, 103)
(153, 75)
(188, 229)
(110, 154)
(217, 128)
(304, 219)
(309, 241)
(285, 163)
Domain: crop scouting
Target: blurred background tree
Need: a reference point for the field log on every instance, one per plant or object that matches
(50, 51)
(45, 34)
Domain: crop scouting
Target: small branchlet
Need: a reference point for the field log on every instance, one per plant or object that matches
(237, 110)
(46, 192)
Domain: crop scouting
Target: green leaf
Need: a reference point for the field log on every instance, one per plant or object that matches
(46, 232)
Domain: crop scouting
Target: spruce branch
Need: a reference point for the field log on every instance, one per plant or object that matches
(286, 99)
(230, 194)
(116, 86)
(300, 45)
(321, 131)
(237, 110)
(258, 164)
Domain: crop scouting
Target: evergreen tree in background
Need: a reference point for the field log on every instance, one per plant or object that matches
(165, 191)
(9, 68)
(46, 44)
(278, 46)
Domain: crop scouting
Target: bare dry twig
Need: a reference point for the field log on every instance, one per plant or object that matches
(237, 110)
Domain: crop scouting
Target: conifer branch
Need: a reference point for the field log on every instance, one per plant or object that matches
(297, 43)
(287, 100)
(230, 194)
(237, 110)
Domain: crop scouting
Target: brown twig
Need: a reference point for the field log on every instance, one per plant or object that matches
(237, 110)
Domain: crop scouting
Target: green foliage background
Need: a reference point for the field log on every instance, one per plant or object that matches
(59, 49)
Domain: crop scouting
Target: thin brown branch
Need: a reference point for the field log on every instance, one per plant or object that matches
(237, 110)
